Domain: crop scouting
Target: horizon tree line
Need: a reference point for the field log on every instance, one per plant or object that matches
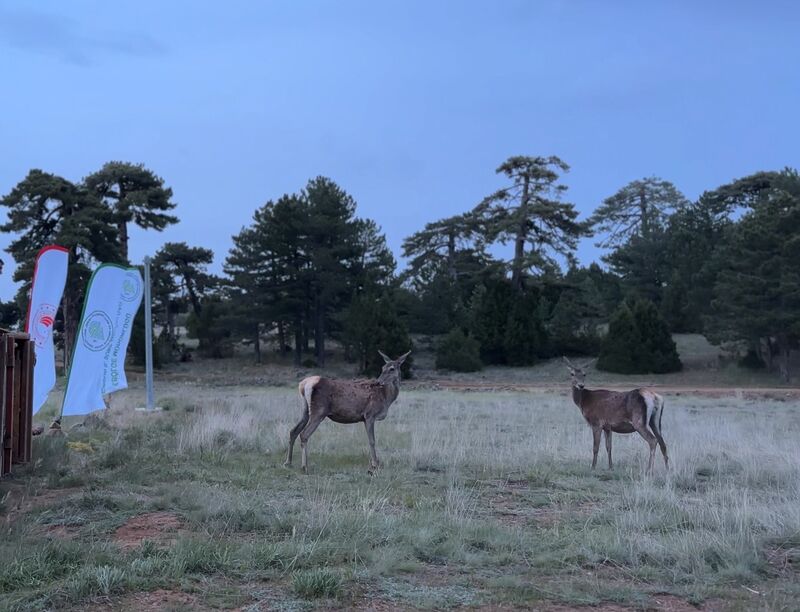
(308, 270)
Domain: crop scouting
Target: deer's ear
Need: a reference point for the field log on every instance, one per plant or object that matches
(385, 358)
(402, 358)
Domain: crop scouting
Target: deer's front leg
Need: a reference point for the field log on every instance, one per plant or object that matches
(369, 424)
(608, 448)
(596, 432)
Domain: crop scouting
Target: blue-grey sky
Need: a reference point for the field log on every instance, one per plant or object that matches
(410, 106)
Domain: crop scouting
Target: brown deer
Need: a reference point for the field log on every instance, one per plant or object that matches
(621, 412)
(346, 401)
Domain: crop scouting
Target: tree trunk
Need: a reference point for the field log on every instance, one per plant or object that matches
(122, 227)
(319, 331)
(170, 322)
(451, 255)
(257, 343)
(765, 351)
(193, 297)
(298, 342)
(522, 236)
(306, 319)
(783, 358)
(122, 223)
(281, 338)
(645, 222)
(71, 322)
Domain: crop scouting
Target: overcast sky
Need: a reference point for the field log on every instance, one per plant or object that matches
(409, 106)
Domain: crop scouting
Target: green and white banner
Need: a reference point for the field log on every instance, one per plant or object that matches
(98, 359)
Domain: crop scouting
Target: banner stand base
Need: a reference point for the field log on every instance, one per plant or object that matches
(153, 409)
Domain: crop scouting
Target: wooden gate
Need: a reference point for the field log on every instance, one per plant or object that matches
(16, 403)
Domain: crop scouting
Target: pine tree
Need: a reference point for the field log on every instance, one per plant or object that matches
(572, 325)
(757, 292)
(488, 318)
(135, 195)
(636, 210)
(638, 341)
(530, 213)
(372, 324)
(187, 266)
(658, 349)
(525, 338)
(675, 304)
(45, 209)
(621, 350)
(437, 246)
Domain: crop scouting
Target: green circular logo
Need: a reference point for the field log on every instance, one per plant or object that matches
(97, 331)
(131, 286)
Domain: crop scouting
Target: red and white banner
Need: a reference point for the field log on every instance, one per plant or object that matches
(49, 278)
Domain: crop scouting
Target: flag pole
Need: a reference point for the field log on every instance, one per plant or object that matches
(148, 336)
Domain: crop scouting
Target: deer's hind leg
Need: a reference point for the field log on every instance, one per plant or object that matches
(374, 464)
(655, 425)
(652, 443)
(293, 436)
(314, 419)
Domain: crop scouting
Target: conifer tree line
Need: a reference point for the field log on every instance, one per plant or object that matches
(307, 276)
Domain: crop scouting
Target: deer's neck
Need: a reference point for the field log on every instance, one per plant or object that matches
(391, 390)
(578, 396)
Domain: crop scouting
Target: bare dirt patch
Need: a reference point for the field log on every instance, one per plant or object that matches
(377, 605)
(672, 603)
(784, 559)
(61, 532)
(161, 599)
(161, 528)
(19, 501)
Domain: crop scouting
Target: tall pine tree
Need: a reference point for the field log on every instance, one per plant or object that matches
(45, 209)
(135, 195)
(529, 212)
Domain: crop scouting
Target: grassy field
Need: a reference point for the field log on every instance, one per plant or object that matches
(484, 501)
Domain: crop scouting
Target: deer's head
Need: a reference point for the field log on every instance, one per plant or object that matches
(577, 374)
(391, 368)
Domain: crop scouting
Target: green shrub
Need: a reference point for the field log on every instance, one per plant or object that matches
(752, 361)
(316, 583)
(638, 341)
(458, 352)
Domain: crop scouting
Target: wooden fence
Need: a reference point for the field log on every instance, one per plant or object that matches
(16, 403)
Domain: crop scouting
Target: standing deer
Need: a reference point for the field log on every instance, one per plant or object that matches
(346, 401)
(622, 412)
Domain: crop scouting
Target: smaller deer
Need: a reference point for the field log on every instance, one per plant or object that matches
(346, 401)
(621, 412)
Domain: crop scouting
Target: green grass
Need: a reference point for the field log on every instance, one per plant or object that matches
(484, 499)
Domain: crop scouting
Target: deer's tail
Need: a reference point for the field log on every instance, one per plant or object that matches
(658, 414)
(653, 409)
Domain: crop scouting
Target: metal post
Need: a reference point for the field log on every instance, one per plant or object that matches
(148, 336)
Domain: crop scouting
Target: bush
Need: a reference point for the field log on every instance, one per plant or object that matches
(371, 324)
(525, 337)
(315, 583)
(458, 352)
(752, 361)
(638, 341)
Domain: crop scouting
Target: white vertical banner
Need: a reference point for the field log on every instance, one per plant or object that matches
(47, 287)
(130, 299)
(98, 358)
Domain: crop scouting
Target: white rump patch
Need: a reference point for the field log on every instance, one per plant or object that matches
(306, 388)
(651, 401)
(311, 382)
